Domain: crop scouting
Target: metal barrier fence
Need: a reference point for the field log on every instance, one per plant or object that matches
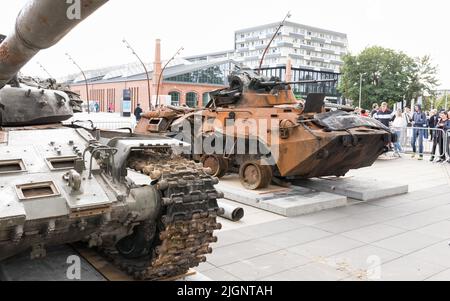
(427, 135)
(113, 125)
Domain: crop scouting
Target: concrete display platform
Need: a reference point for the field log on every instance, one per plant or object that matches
(362, 189)
(289, 202)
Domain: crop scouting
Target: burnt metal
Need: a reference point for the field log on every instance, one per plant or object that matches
(311, 139)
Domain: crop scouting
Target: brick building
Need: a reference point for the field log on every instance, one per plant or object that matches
(184, 81)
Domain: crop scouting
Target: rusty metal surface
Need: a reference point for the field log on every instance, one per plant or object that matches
(309, 139)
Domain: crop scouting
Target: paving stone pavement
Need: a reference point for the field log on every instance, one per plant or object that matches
(399, 238)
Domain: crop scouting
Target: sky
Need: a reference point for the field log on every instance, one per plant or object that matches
(415, 27)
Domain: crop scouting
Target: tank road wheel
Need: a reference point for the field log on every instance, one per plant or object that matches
(254, 176)
(217, 164)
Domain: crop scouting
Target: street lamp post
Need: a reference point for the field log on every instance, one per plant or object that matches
(85, 81)
(45, 70)
(162, 71)
(446, 99)
(360, 89)
(288, 15)
(145, 69)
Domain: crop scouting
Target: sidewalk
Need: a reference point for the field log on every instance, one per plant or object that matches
(399, 238)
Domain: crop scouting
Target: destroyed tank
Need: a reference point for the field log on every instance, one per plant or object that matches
(144, 207)
(257, 128)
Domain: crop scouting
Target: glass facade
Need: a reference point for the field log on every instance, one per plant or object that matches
(191, 99)
(214, 75)
(175, 98)
(302, 90)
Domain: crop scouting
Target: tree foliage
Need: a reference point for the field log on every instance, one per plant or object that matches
(387, 75)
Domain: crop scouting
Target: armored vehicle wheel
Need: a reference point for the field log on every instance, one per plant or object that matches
(217, 164)
(254, 176)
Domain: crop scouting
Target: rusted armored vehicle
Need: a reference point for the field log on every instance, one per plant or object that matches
(257, 128)
(149, 210)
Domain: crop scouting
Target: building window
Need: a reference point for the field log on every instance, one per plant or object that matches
(191, 99)
(205, 98)
(175, 98)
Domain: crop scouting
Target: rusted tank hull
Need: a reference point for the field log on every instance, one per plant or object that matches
(306, 159)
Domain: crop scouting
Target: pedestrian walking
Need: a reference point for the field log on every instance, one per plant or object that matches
(137, 112)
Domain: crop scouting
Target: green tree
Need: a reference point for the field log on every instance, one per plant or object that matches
(423, 80)
(385, 76)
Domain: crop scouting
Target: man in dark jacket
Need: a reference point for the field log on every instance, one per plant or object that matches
(137, 112)
(438, 137)
(419, 122)
(384, 115)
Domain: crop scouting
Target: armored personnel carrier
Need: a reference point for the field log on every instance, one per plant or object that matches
(149, 210)
(257, 128)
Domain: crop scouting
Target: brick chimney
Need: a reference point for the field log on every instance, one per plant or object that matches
(288, 70)
(157, 68)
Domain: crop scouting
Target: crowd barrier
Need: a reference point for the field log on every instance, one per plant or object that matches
(428, 137)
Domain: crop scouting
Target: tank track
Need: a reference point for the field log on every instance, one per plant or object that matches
(187, 222)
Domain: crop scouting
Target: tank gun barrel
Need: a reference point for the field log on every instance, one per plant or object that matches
(40, 25)
(276, 83)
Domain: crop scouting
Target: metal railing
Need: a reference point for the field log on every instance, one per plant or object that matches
(428, 137)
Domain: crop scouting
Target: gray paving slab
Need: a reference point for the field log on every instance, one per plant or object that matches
(270, 228)
(440, 229)
(265, 265)
(326, 247)
(438, 254)
(218, 274)
(356, 208)
(230, 237)
(373, 233)
(443, 276)
(359, 188)
(204, 266)
(240, 251)
(344, 224)
(361, 262)
(407, 242)
(309, 272)
(383, 214)
(295, 237)
(421, 219)
(409, 268)
(320, 217)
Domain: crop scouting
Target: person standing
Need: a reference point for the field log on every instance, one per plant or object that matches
(137, 112)
(375, 108)
(438, 138)
(384, 115)
(419, 122)
(432, 122)
(399, 127)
